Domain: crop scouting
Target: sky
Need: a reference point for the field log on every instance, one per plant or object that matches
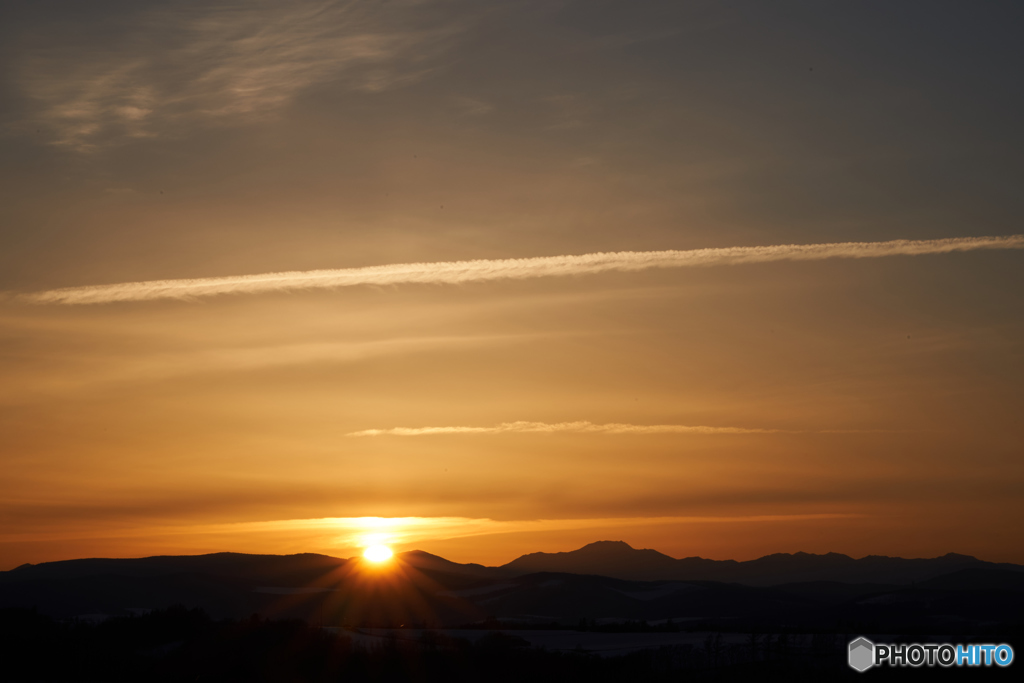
(719, 278)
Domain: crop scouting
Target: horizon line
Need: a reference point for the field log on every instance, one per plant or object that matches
(527, 554)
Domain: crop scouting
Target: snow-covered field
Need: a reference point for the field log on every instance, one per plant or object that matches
(605, 644)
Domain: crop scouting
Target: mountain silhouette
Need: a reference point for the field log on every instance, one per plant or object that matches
(604, 558)
(613, 559)
(280, 569)
(618, 559)
(316, 588)
(426, 561)
(607, 580)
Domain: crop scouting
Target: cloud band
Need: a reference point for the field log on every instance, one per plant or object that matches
(458, 272)
(574, 427)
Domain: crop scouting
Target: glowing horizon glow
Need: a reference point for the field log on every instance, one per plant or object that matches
(378, 553)
(345, 537)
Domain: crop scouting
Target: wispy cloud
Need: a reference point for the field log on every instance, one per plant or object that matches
(351, 533)
(581, 427)
(224, 61)
(73, 373)
(457, 272)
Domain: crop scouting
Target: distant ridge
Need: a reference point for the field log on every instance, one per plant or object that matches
(618, 559)
(266, 568)
(613, 559)
(603, 580)
(425, 561)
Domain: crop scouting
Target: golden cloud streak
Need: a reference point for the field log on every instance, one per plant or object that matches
(581, 427)
(459, 272)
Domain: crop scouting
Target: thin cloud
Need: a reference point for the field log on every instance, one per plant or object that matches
(458, 272)
(90, 372)
(222, 63)
(349, 533)
(581, 427)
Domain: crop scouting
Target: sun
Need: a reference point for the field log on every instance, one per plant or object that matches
(377, 553)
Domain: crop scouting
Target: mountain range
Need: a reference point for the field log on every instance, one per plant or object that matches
(607, 580)
(613, 559)
(618, 559)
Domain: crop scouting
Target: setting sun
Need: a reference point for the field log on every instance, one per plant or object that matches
(377, 553)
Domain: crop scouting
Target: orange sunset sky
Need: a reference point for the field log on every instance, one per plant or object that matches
(727, 403)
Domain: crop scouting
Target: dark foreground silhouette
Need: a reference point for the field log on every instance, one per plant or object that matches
(179, 644)
(298, 618)
(947, 595)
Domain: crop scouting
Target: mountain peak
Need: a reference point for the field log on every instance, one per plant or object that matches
(958, 556)
(801, 556)
(605, 546)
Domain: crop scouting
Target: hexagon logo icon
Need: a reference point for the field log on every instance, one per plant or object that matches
(861, 654)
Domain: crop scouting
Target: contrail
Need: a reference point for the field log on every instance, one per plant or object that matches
(456, 272)
(577, 427)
